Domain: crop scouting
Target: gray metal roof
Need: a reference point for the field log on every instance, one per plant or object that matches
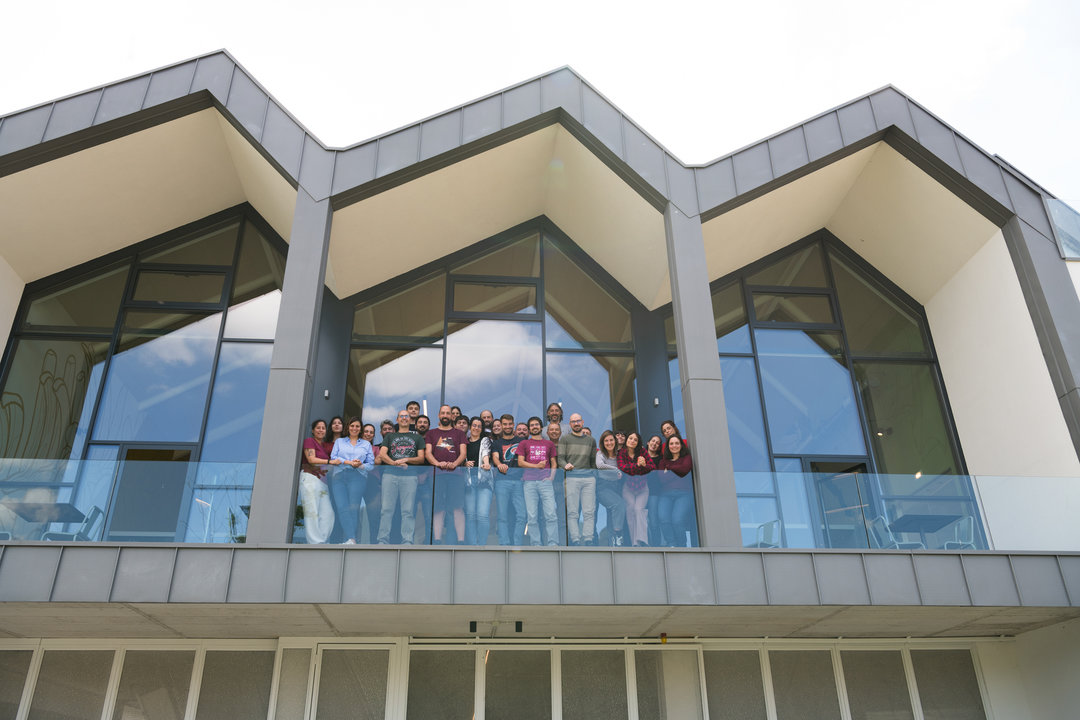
(50, 130)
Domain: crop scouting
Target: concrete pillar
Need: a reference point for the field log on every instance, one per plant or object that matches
(292, 367)
(702, 386)
(651, 366)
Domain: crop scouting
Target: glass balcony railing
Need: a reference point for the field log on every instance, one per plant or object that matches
(469, 507)
(191, 502)
(859, 510)
(125, 500)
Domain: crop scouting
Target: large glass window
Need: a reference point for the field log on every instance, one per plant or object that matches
(829, 379)
(519, 325)
(133, 373)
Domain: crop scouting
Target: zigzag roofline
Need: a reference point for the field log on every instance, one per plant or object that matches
(56, 128)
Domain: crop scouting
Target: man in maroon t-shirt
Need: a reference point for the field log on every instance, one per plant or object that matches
(446, 451)
(537, 455)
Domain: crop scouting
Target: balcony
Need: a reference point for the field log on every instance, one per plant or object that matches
(177, 501)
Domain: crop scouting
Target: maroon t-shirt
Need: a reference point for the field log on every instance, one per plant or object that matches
(536, 451)
(445, 444)
(322, 452)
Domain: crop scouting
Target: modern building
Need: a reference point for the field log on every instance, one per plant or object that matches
(867, 327)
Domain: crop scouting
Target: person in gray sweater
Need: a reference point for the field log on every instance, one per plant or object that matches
(576, 455)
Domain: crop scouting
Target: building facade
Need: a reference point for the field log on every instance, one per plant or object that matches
(867, 328)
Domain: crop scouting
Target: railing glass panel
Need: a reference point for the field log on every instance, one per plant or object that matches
(860, 511)
(123, 499)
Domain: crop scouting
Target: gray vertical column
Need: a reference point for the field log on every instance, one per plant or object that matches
(651, 367)
(702, 387)
(288, 395)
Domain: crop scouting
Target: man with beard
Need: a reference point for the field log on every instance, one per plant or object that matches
(537, 455)
(577, 454)
(420, 424)
(487, 417)
(509, 496)
(446, 451)
(554, 432)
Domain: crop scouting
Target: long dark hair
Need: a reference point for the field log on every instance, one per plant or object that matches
(637, 448)
(604, 435)
(683, 450)
(330, 430)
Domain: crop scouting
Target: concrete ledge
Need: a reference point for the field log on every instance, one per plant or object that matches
(269, 591)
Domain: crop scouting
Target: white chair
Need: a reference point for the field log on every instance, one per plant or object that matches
(964, 535)
(85, 531)
(882, 537)
(768, 535)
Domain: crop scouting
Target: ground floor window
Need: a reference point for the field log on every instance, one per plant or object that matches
(400, 680)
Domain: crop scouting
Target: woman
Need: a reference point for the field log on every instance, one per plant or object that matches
(373, 488)
(667, 429)
(336, 430)
(635, 462)
(350, 479)
(608, 487)
(314, 493)
(655, 449)
(479, 484)
(676, 492)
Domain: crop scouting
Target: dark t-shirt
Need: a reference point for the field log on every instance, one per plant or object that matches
(322, 452)
(506, 450)
(403, 444)
(536, 451)
(445, 444)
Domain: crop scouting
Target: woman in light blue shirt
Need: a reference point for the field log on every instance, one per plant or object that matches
(348, 482)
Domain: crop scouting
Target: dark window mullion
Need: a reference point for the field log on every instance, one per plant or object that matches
(470, 316)
(114, 344)
(850, 364)
(210, 308)
(182, 269)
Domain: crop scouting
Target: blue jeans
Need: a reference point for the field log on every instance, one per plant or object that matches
(347, 487)
(477, 514)
(652, 507)
(508, 492)
(541, 492)
(675, 507)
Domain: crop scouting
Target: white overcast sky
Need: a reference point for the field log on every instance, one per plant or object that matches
(703, 78)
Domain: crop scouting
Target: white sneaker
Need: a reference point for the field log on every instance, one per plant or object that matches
(350, 541)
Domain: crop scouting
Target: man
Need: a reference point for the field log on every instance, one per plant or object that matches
(421, 424)
(385, 427)
(577, 455)
(521, 431)
(537, 456)
(488, 418)
(554, 413)
(554, 432)
(399, 451)
(509, 495)
(413, 408)
(446, 451)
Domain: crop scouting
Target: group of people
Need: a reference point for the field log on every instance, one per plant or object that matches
(547, 480)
